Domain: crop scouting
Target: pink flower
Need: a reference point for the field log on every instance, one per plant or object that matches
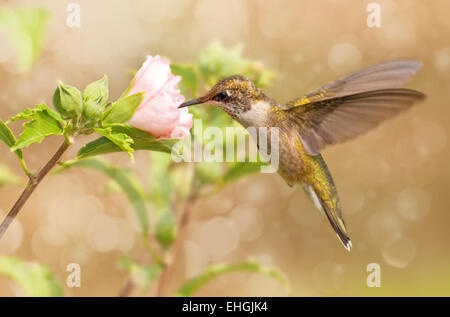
(158, 113)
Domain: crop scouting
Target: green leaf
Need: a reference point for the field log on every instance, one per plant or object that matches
(68, 100)
(122, 140)
(35, 279)
(241, 169)
(209, 172)
(123, 109)
(8, 137)
(143, 276)
(127, 182)
(216, 62)
(26, 28)
(25, 114)
(212, 116)
(166, 230)
(142, 141)
(181, 180)
(189, 74)
(191, 286)
(160, 163)
(95, 97)
(29, 113)
(44, 122)
(111, 187)
(52, 113)
(160, 180)
(263, 77)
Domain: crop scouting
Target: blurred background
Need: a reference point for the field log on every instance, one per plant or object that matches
(393, 182)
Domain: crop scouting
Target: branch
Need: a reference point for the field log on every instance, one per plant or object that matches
(126, 288)
(172, 255)
(33, 182)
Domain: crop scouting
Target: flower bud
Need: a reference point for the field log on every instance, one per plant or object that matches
(67, 100)
(95, 96)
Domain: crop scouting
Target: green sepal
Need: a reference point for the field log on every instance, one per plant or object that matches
(123, 109)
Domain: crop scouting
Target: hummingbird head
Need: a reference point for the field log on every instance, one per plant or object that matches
(239, 97)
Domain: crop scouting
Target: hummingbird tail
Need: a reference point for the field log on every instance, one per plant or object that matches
(322, 191)
(330, 213)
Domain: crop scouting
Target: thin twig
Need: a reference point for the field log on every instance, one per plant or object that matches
(129, 284)
(172, 254)
(33, 182)
(127, 287)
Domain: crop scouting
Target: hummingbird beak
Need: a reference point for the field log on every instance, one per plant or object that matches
(191, 103)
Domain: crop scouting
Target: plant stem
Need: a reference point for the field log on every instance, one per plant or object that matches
(126, 288)
(150, 250)
(33, 182)
(25, 168)
(172, 255)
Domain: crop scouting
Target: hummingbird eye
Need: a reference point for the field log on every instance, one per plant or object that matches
(221, 96)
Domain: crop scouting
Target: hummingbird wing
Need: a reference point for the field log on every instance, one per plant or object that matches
(336, 120)
(392, 74)
(351, 106)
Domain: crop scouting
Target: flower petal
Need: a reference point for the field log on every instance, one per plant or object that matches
(152, 76)
(158, 113)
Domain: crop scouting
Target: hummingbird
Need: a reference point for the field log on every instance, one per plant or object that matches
(334, 113)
